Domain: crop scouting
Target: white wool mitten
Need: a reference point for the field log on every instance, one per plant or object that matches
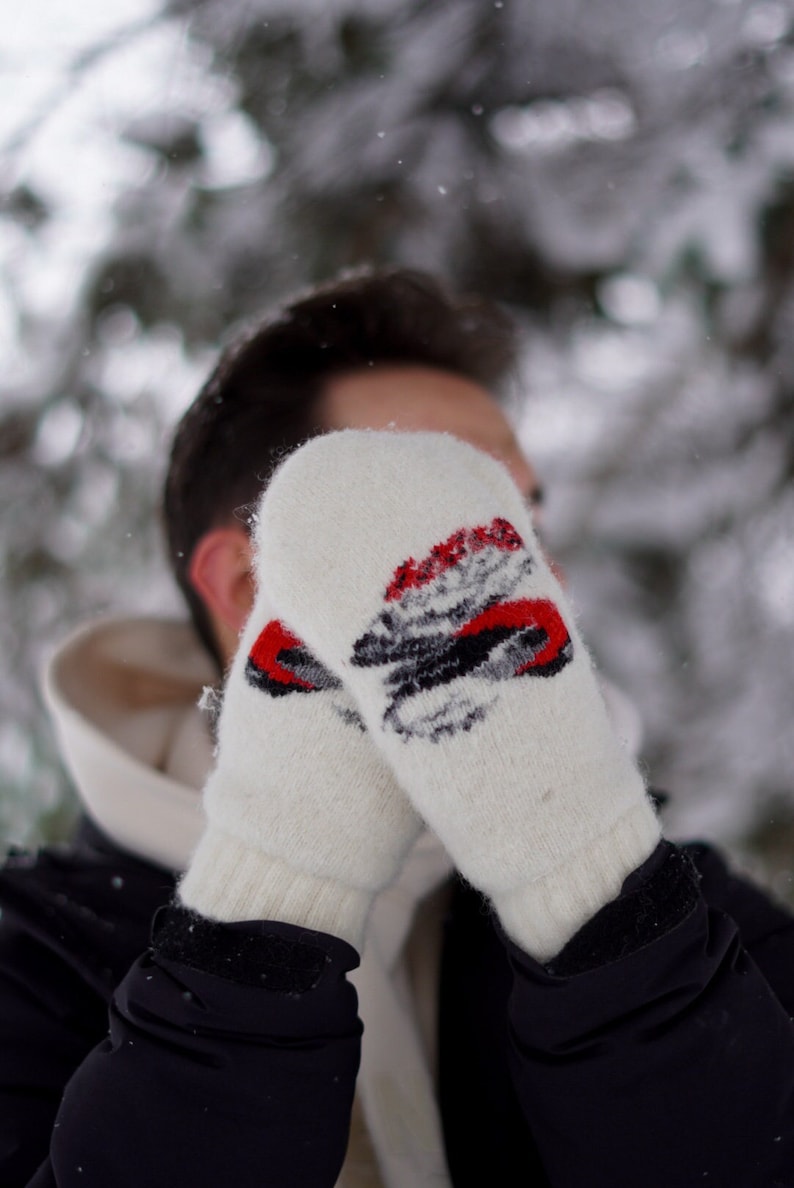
(408, 563)
(305, 822)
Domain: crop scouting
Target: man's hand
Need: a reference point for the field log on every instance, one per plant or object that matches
(409, 565)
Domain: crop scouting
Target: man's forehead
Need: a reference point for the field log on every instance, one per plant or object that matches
(416, 398)
(408, 397)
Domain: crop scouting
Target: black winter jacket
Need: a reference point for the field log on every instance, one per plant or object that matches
(657, 1050)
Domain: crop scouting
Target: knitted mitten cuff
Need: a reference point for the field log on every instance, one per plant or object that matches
(544, 914)
(230, 880)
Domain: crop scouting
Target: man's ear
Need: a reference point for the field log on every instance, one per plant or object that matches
(220, 573)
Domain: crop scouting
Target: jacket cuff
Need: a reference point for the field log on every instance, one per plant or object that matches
(280, 957)
(654, 899)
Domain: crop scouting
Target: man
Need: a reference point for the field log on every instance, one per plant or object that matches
(619, 1015)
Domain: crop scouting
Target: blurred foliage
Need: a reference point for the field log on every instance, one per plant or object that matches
(621, 175)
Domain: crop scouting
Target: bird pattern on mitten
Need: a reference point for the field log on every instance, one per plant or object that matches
(455, 615)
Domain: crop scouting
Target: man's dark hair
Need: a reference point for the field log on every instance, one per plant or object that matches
(263, 398)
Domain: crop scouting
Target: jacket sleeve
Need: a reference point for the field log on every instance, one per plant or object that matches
(766, 928)
(231, 1058)
(70, 925)
(653, 1051)
(220, 1052)
(48, 1022)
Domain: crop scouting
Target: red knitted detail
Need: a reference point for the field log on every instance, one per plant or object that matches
(271, 641)
(524, 613)
(411, 574)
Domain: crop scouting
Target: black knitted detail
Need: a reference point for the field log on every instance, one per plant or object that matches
(253, 953)
(654, 899)
(459, 613)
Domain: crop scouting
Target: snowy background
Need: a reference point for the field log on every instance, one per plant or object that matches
(620, 175)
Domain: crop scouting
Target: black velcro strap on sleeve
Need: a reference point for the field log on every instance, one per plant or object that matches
(654, 899)
(273, 956)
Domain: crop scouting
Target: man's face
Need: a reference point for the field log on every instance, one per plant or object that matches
(426, 398)
(401, 397)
